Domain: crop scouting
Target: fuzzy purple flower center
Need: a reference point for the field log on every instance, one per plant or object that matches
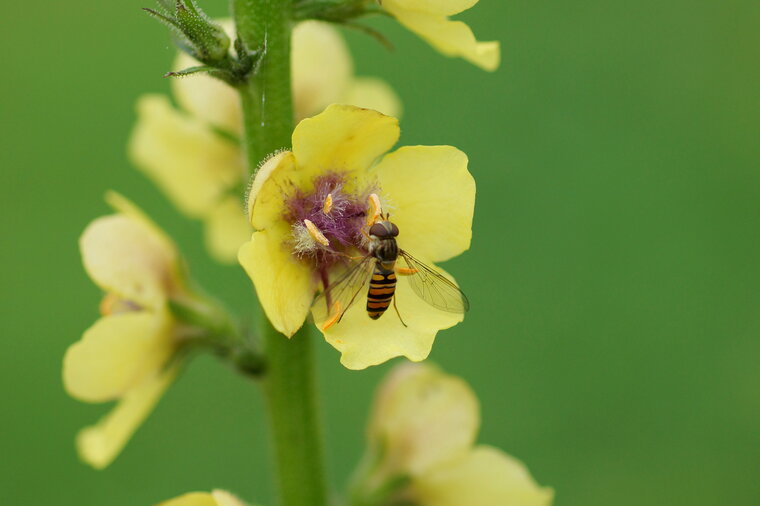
(342, 225)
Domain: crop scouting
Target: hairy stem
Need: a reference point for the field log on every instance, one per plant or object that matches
(265, 25)
(289, 381)
(293, 415)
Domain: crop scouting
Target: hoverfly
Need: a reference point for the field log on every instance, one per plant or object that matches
(381, 264)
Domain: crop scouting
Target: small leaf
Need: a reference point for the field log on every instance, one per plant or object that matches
(162, 18)
(168, 5)
(192, 7)
(189, 71)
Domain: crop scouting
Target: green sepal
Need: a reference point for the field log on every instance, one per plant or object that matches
(197, 35)
(168, 5)
(210, 42)
(206, 326)
(342, 12)
(336, 11)
(189, 71)
(374, 484)
(163, 18)
(194, 314)
(223, 74)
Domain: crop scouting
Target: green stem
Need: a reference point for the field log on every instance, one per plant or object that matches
(291, 398)
(289, 380)
(265, 25)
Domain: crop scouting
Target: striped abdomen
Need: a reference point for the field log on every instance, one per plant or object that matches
(381, 289)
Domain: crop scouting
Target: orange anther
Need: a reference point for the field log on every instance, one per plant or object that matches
(327, 206)
(374, 210)
(335, 310)
(403, 271)
(108, 304)
(315, 233)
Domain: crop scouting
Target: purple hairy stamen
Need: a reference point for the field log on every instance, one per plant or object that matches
(342, 225)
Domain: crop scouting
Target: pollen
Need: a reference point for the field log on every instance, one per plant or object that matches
(108, 304)
(315, 233)
(307, 238)
(373, 213)
(112, 304)
(327, 206)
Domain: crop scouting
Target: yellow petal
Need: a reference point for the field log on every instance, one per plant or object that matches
(364, 342)
(373, 93)
(99, 444)
(115, 354)
(486, 477)
(191, 499)
(321, 67)
(124, 256)
(215, 498)
(226, 230)
(422, 418)
(224, 498)
(274, 179)
(442, 7)
(284, 286)
(123, 205)
(192, 164)
(431, 197)
(342, 138)
(207, 98)
(452, 38)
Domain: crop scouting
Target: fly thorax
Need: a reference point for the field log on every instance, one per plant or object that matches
(386, 250)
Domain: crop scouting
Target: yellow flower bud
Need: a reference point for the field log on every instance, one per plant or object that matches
(124, 355)
(421, 436)
(215, 498)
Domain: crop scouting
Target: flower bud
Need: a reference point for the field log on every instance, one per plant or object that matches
(210, 42)
(196, 32)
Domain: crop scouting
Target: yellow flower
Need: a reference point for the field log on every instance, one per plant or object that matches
(421, 447)
(126, 354)
(215, 498)
(310, 207)
(200, 169)
(429, 19)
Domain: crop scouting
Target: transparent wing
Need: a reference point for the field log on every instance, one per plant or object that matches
(331, 304)
(434, 288)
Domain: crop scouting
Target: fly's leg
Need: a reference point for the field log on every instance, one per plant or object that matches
(399, 314)
(350, 257)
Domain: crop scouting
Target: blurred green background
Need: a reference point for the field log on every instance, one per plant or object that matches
(614, 273)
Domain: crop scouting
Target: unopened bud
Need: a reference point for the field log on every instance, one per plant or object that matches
(208, 39)
(197, 33)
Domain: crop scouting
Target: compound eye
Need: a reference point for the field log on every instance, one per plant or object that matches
(378, 230)
(394, 230)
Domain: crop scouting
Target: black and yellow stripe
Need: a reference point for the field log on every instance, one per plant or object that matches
(382, 286)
